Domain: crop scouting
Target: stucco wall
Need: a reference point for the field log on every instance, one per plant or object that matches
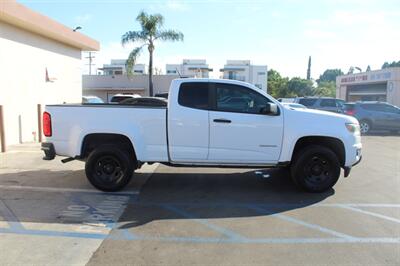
(24, 58)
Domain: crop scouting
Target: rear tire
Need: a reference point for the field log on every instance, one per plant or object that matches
(365, 126)
(109, 168)
(315, 169)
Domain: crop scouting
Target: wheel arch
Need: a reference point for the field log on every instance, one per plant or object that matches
(335, 144)
(93, 140)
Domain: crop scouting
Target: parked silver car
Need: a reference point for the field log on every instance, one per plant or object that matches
(322, 103)
(375, 115)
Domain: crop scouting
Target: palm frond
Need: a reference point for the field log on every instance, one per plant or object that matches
(170, 35)
(131, 61)
(133, 36)
(150, 23)
(142, 18)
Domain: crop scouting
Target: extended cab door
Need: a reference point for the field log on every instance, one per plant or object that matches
(188, 123)
(239, 132)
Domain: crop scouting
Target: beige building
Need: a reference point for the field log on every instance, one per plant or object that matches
(243, 70)
(192, 68)
(106, 86)
(378, 85)
(40, 63)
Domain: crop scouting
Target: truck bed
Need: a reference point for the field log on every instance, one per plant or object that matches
(72, 122)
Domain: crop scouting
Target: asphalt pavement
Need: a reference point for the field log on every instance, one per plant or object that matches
(49, 214)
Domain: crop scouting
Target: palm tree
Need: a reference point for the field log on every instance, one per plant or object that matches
(151, 31)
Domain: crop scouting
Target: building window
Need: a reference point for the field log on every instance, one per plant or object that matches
(171, 71)
(118, 72)
(261, 73)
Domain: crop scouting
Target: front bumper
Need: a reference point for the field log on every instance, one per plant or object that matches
(347, 169)
(49, 151)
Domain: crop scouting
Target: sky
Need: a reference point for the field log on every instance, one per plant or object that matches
(280, 34)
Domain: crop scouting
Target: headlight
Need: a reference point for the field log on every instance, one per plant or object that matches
(353, 128)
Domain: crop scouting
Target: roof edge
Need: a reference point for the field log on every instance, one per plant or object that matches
(22, 17)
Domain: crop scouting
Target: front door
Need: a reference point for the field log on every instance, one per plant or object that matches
(239, 133)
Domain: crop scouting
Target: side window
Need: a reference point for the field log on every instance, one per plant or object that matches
(328, 103)
(375, 107)
(340, 103)
(391, 109)
(307, 102)
(194, 95)
(234, 98)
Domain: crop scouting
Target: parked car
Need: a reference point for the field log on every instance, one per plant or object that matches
(91, 99)
(286, 100)
(162, 95)
(199, 128)
(322, 103)
(374, 115)
(294, 105)
(146, 101)
(120, 97)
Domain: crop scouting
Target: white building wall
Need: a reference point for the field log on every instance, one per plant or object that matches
(24, 58)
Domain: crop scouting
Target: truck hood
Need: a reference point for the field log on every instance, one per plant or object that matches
(315, 116)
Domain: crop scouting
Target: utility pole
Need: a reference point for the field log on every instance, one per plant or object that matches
(90, 57)
(309, 68)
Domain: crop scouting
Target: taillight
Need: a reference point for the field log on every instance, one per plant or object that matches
(47, 124)
(350, 112)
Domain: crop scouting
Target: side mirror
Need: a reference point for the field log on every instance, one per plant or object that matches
(270, 109)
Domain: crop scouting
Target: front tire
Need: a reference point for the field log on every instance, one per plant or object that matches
(109, 168)
(315, 169)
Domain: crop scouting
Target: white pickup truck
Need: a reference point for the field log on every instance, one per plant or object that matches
(207, 122)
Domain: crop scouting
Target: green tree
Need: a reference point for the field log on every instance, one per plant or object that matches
(277, 85)
(298, 87)
(326, 88)
(393, 64)
(151, 31)
(330, 75)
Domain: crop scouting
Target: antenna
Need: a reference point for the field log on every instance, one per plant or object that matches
(178, 72)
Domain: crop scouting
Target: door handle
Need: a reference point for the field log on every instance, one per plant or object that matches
(222, 120)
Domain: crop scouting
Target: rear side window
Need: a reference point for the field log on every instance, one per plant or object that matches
(307, 102)
(374, 107)
(328, 103)
(194, 95)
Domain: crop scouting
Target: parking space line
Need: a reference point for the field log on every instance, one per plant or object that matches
(9, 216)
(371, 214)
(299, 222)
(274, 205)
(53, 233)
(228, 233)
(53, 189)
(127, 235)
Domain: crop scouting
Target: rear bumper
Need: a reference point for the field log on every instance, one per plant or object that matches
(49, 151)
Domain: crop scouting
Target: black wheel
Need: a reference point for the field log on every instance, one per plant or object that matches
(365, 127)
(109, 168)
(315, 169)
